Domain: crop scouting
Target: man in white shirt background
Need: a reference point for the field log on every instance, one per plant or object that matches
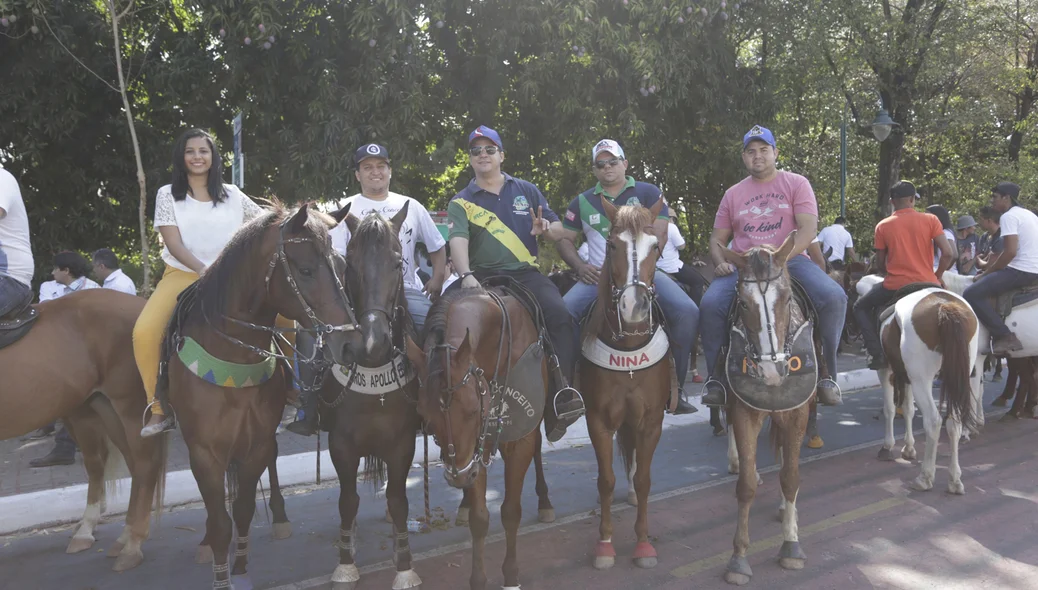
(16, 264)
(670, 262)
(106, 268)
(840, 241)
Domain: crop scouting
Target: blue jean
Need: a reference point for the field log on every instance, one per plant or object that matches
(828, 297)
(418, 304)
(680, 311)
(993, 285)
(14, 295)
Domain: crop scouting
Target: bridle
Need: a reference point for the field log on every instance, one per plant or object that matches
(616, 293)
(756, 356)
(491, 422)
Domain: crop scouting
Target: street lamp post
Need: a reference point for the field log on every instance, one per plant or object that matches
(881, 126)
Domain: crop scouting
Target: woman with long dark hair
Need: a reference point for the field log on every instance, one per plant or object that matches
(949, 232)
(197, 215)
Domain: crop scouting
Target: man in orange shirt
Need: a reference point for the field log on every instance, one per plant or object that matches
(904, 253)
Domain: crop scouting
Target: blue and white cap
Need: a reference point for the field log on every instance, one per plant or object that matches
(607, 145)
(759, 133)
(371, 150)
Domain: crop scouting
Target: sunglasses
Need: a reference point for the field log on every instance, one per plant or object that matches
(600, 164)
(479, 149)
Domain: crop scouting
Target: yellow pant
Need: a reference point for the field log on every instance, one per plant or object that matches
(151, 327)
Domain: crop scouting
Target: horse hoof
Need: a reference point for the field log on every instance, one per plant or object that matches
(921, 484)
(956, 488)
(1000, 402)
(739, 572)
(128, 561)
(408, 579)
(791, 556)
(632, 498)
(605, 555)
(116, 550)
(899, 413)
(645, 556)
(719, 430)
(281, 530)
(885, 455)
(908, 454)
(345, 577)
(241, 582)
(463, 517)
(816, 442)
(546, 515)
(204, 554)
(78, 544)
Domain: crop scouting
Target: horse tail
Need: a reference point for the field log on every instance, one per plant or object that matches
(953, 321)
(160, 476)
(375, 471)
(625, 444)
(115, 469)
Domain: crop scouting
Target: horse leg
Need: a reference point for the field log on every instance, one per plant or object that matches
(517, 463)
(149, 458)
(463, 511)
(1026, 384)
(479, 524)
(747, 424)
(632, 491)
(1010, 389)
(645, 447)
(602, 441)
(889, 411)
(545, 511)
(932, 425)
(814, 441)
(733, 452)
(93, 444)
(281, 527)
(977, 392)
(954, 427)
(908, 451)
(396, 497)
(210, 478)
(715, 421)
(346, 461)
(244, 509)
(791, 556)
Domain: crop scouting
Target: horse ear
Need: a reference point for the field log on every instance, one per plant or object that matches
(782, 255)
(400, 217)
(298, 222)
(609, 208)
(736, 259)
(342, 213)
(657, 207)
(415, 355)
(352, 222)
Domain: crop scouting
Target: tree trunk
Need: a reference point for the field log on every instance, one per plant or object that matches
(141, 179)
(890, 154)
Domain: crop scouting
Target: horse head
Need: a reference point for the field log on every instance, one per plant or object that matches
(631, 254)
(374, 280)
(764, 295)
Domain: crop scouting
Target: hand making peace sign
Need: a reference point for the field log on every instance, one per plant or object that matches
(540, 224)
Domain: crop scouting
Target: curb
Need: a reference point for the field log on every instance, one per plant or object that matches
(22, 512)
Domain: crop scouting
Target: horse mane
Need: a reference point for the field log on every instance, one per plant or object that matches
(435, 331)
(372, 229)
(760, 260)
(631, 218)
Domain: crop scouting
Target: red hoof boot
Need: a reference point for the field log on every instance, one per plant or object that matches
(645, 555)
(605, 555)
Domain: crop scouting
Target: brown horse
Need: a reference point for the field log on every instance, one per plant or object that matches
(473, 341)
(627, 388)
(768, 311)
(375, 416)
(280, 263)
(98, 391)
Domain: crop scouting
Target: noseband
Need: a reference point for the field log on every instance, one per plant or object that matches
(756, 356)
(616, 293)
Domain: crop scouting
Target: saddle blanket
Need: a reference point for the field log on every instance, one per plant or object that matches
(612, 359)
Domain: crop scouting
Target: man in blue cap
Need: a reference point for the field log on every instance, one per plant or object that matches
(763, 210)
(374, 173)
(586, 214)
(493, 225)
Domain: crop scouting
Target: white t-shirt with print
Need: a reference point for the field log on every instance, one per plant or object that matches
(836, 237)
(204, 229)
(937, 255)
(1022, 223)
(669, 261)
(15, 250)
(417, 227)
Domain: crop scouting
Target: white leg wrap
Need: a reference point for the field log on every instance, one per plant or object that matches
(408, 579)
(346, 573)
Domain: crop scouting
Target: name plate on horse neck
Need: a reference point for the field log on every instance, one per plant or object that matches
(376, 380)
(612, 359)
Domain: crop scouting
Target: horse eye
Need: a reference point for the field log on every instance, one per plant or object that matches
(743, 305)
(306, 272)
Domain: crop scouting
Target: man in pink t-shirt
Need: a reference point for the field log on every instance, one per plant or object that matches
(763, 210)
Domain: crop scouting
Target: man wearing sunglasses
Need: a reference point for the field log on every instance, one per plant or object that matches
(586, 214)
(493, 225)
(763, 210)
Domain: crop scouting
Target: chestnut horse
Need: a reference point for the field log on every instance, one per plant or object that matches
(280, 263)
(626, 395)
(473, 340)
(769, 312)
(76, 363)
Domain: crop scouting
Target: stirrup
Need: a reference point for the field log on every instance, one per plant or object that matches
(839, 391)
(172, 419)
(706, 391)
(571, 415)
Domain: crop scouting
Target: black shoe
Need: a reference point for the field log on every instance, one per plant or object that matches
(878, 362)
(829, 393)
(57, 456)
(715, 394)
(566, 413)
(40, 434)
(684, 407)
(306, 422)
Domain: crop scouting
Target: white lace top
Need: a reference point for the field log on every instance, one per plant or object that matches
(204, 229)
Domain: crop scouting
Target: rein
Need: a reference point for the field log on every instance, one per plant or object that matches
(781, 358)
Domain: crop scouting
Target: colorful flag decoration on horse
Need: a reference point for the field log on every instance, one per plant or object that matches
(224, 373)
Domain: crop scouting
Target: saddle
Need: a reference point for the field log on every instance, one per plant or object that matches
(901, 294)
(17, 323)
(1005, 302)
(802, 366)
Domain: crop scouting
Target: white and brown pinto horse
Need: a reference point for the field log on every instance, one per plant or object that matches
(767, 309)
(931, 331)
(626, 372)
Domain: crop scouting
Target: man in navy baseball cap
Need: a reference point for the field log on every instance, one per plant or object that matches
(371, 150)
(487, 132)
